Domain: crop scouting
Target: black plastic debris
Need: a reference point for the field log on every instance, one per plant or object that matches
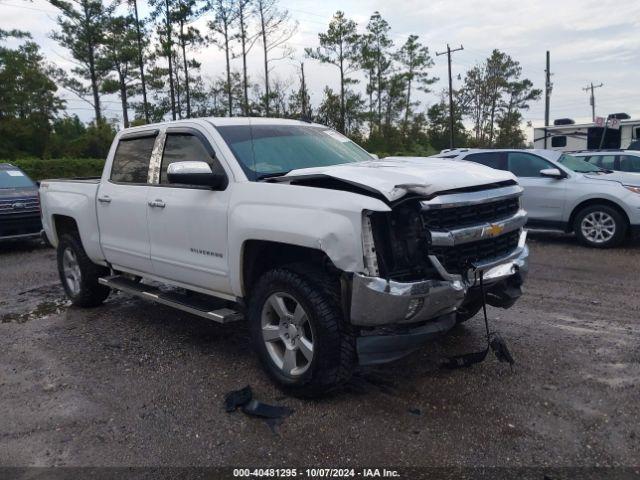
(264, 410)
(500, 349)
(494, 342)
(273, 415)
(237, 398)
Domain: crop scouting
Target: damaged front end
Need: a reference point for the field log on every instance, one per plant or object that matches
(423, 261)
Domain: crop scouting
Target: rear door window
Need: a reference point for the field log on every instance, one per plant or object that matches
(131, 161)
(489, 159)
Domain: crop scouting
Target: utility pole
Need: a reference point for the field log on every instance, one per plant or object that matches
(548, 86)
(451, 122)
(592, 100)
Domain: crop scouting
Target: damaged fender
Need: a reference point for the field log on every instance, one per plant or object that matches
(322, 219)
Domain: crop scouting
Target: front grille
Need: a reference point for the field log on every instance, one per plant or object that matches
(19, 224)
(28, 204)
(459, 258)
(468, 215)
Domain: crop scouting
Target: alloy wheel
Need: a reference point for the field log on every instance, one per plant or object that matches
(71, 269)
(287, 334)
(598, 227)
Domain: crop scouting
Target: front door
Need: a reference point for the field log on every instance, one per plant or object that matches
(122, 206)
(543, 197)
(188, 224)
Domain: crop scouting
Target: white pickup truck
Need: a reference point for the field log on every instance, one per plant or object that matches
(333, 257)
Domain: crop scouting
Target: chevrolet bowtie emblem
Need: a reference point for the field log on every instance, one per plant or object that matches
(494, 230)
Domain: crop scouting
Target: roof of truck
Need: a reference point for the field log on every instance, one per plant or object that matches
(224, 121)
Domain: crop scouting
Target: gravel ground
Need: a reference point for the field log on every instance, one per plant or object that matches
(136, 384)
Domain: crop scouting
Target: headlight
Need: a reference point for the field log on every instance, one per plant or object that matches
(632, 188)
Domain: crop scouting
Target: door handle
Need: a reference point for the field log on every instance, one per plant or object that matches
(105, 199)
(157, 203)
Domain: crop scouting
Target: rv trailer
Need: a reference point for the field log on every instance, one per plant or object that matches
(566, 135)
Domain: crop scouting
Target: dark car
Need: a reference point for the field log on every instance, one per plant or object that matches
(19, 205)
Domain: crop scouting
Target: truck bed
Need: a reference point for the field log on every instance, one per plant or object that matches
(74, 199)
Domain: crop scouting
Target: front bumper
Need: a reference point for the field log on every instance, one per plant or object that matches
(378, 302)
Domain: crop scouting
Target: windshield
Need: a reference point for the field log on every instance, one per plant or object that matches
(578, 165)
(14, 178)
(272, 150)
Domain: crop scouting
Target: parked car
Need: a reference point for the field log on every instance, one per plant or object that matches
(617, 160)
(333, 257)
(563, 192)
(19, 205)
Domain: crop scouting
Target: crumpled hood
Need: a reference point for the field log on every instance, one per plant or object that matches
(394, 177)
(626, 178)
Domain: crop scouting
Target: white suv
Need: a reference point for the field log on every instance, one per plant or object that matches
(566, 193)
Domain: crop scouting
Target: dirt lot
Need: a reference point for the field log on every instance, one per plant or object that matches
(131, 383)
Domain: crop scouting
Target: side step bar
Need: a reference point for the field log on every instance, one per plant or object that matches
(201, 305)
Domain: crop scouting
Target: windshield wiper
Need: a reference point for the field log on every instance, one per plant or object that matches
(271, 175)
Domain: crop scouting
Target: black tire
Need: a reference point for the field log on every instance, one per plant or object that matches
(89, 292)
(334, 350)
(467, 312)
(620, 226)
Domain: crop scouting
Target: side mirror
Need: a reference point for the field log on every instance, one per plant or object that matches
(375, 155)
(552, 173)
(196, 173)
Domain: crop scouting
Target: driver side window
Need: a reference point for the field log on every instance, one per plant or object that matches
(526, 165)
(184, 147)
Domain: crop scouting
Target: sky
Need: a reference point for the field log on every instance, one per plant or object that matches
(590, 41)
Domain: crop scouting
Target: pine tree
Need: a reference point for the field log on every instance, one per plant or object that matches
(275, 30)
(339, 46)
(83, 24)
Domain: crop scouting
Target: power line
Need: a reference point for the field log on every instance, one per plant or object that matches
(448, 52)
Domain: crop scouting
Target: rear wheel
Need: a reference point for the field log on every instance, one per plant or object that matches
(600, 226)
(79, 275)
(298, 331)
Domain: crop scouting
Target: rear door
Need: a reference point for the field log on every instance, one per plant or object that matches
(188, 224)
(122, 205)
(543, 197)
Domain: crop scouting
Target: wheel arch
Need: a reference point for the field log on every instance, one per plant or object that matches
(259, 256)
(595, 201)
(64, 224)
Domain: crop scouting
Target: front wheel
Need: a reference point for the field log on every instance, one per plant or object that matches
(79, 275)
(298, 331)
(600, 226)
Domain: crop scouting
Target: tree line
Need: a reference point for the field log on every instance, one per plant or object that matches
(151, 65)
